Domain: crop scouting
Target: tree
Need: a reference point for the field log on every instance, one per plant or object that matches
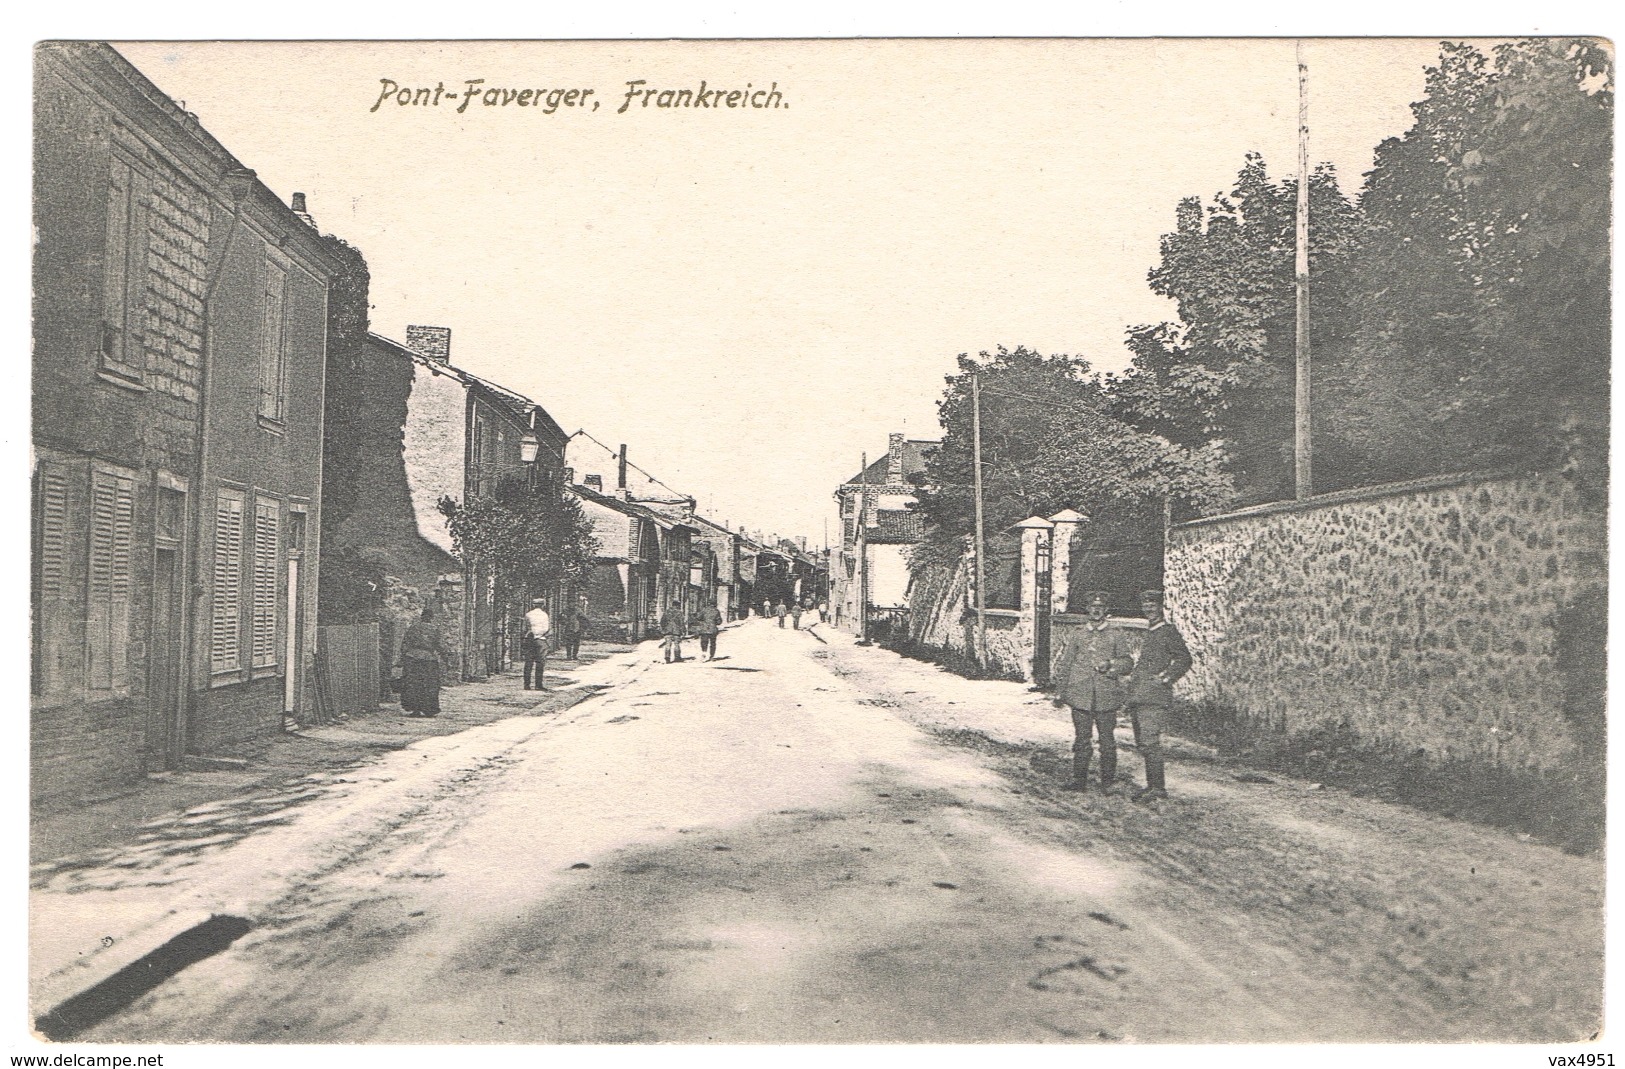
(348, 582)
(1485, 277)
(1048, 445)
(530, 541)
(1223, 376)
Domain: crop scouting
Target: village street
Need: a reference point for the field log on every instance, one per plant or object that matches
(805, 840)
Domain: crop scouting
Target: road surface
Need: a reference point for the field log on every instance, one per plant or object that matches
(806, 841)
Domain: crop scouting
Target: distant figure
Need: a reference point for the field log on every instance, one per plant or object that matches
(795, 616)
(781, 611)
(707, 622)
(1088, 677)
(538, 628)
(672, 625)
(823, 612)
(767, 608)
(420, 667)
(1163, 658)
(575, 624)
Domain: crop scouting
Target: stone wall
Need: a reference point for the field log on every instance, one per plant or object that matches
(941, 617)
(434, 440)
(1440, 619)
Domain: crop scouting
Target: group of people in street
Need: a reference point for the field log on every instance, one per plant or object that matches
(542, 631)
(1101, 672)
(676, 624)
(794, 611)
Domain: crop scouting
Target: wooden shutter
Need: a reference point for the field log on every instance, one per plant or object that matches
(267, 536)
(225, 622)
(112, 528)
(124, 271)
(272, 356)
(54, 608)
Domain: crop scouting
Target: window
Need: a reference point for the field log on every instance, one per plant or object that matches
(225, 620)
(124, 273)
(273, 344)
(107, 631)
(267, 536)
(54, 640)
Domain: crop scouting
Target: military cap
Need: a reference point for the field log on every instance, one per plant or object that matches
(1151, 595)
(1098, 597)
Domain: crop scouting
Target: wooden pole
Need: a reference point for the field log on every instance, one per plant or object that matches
(863, 553)
(1302, 444)
(981, 541)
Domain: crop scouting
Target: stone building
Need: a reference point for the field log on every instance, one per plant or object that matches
(886, 496)
(179, 345)
(431, 430)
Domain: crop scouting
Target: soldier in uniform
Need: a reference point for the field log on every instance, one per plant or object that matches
(1162, 659)
(674, 626)
(1088, 677)
(707, 622)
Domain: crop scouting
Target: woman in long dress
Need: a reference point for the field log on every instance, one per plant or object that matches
(420, 667)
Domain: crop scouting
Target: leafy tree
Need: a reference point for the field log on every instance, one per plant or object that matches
(1225, 374)
(1485, 276)
(347, 581)
(1048, 445)
(530, 540)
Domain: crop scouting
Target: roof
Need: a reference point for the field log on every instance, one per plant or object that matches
(614, 454)
(896, 527)
(514, 404)
(876, 474)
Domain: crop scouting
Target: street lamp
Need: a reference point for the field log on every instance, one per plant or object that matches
(529, 445)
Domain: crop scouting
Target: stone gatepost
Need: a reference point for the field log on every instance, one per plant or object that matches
(1068, 522)
(1032, 629)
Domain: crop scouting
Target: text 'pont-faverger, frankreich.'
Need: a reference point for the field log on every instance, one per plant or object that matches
(477, 95)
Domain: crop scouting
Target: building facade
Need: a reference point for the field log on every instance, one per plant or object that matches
(875, 558)
(180, 340)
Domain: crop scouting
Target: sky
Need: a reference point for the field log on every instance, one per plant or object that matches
(751, 299)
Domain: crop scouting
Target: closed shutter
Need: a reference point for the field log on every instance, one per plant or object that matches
(112, 527)
(55, 605)
(124, 271)
(271, 341)
(225, 623)
(267, 537)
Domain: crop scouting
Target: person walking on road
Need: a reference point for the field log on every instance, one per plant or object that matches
(573, 626)
(1088, 678)
(767, 608)
(673, 625)
(538, 629)
(795, 616)
(420, 667)
(1161, 660)
(707, 622)
(781, 611)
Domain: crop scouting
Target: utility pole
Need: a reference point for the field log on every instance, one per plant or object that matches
(1302, 445)
(863, 553)
(981, 547)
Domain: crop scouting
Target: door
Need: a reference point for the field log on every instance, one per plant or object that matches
(164, 680)
(1042, 606)
(295, 667)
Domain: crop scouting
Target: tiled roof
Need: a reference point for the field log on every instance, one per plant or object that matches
(896, 527)
(876, 474)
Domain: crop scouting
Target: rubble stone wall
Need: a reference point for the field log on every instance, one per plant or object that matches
(941, 618)
(1437, 619)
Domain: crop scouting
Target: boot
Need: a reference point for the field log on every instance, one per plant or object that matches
(1155, 789)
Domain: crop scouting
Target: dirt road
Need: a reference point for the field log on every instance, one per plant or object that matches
(805, 841)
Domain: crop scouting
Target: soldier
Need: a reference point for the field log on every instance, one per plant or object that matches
(1162, 659)
(707, 622)
(673, 625)
(575, 624)
(1088, 677)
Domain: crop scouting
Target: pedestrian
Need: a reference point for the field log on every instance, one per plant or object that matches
(781, 612)
(707, 622)
(823, 611)
(575, 625)
(767, 608)
(1159, 663)
(672, 626)
(795, 617)
(533, 644)
(1088, 676)
(420, 667)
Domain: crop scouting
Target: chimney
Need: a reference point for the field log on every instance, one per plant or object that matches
(431, 342)
(594, 482)
(299, 210)
(621, 477)
(894, 459)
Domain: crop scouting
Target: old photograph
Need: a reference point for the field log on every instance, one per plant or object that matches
(846, 541)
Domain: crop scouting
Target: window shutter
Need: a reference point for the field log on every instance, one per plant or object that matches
(55, 605)
(225, 627)
(108, 632)
(271, 355)
(267, 532)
